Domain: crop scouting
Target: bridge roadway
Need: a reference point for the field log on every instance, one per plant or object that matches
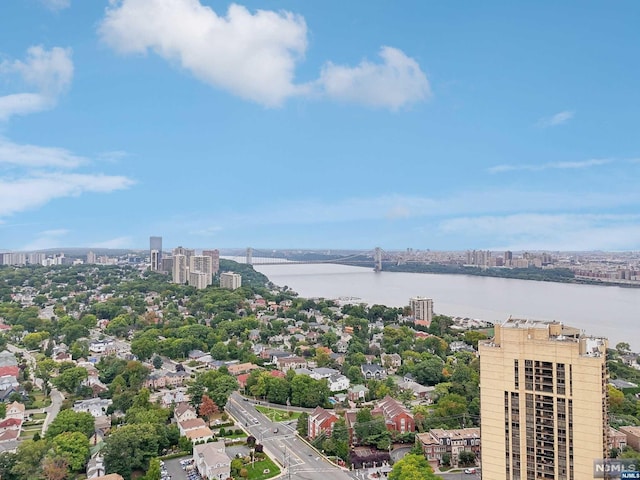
(300, 460)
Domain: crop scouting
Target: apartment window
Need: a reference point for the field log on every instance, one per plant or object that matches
(528, 374)
(516, 374)
(560, 379)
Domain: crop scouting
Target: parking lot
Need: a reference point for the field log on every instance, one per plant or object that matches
(176, 472)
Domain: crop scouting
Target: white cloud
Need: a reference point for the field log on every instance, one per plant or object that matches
(47, 239)
(395, 82)
(35, 156)
(555, 120)
(56, 4)
(596, 162)
(118, 242)
(254, 55)
(34, 190)
(566, 231)
(251, 55)
(49, 72)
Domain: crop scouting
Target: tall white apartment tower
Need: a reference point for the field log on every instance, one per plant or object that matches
(200, 271)
(422, 310)
(180, 269)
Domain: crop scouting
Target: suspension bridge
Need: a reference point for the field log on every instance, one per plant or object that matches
(266, 257)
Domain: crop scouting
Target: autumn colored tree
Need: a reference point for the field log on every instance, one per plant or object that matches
(55, 468)
(207, 407)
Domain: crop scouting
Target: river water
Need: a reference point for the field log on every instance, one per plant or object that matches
(612, 312)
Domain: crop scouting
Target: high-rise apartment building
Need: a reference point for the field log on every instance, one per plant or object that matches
(215, 259)
(422, 310)
(230, 280)
(543, 402)
(91, 258)
(200, 271)
(155, 253)
(180, 273)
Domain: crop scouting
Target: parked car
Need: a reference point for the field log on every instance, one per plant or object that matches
(469, 470)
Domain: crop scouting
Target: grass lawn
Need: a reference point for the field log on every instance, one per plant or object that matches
(256, 472)
(40, 401)
(38, 416)
(277, 415)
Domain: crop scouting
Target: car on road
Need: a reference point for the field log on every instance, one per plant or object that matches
(469, 470)
(275, 430)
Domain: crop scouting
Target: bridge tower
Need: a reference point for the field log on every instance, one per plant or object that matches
(249, 256)
(377, 258)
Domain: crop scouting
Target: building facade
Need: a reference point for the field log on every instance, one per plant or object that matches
(155, 252)
(422, 310)
(230, 280)
(215, 259)
(543, 401)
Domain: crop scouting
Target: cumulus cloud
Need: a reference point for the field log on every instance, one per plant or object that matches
(395, 82)
(36, 189)
(35, 156)
(251, 55)
(254, 55)
(555, 120)
(48, 72)
(595, 162)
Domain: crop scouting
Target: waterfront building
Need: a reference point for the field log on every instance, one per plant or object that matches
(543, 402)
(155, 252)
(230, 280)
(422, 310)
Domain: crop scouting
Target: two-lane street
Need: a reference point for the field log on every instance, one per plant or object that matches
(299, 459)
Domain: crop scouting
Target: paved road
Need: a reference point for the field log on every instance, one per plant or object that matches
(300, 460)
(52, 410)
(460, 475)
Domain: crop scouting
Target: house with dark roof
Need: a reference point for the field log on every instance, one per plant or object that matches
(373, 371)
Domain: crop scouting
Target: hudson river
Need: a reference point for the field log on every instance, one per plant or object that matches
(613, 312)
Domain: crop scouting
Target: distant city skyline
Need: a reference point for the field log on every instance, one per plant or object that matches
(355, 125)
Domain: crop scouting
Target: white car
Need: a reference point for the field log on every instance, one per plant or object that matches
(469, 470)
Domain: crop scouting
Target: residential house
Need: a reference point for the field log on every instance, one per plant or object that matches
(173, 397)
(436, 442)
(357, 393)
(373, 370)
(292, 362)
(95, 406)
(202, 434)
(15, 410)
(338, 382)
(459, 346)
(184, 411)
(391, 361)
(102, 346)
(8, 382)
(397, 417)
(320, 420)
(419, 391)
(211, 461)
(10, 424)
(241, 368)
(617, 440)
(633, 436)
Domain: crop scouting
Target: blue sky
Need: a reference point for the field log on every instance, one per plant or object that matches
(332, 124)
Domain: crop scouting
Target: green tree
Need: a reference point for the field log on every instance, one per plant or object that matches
(70, 421)
(29, 458)
(303, 424)
(154, 470)
(129, 448)
(70, 379)
(74, 448)
(7, 462)
(466, 458)
(412, 467)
